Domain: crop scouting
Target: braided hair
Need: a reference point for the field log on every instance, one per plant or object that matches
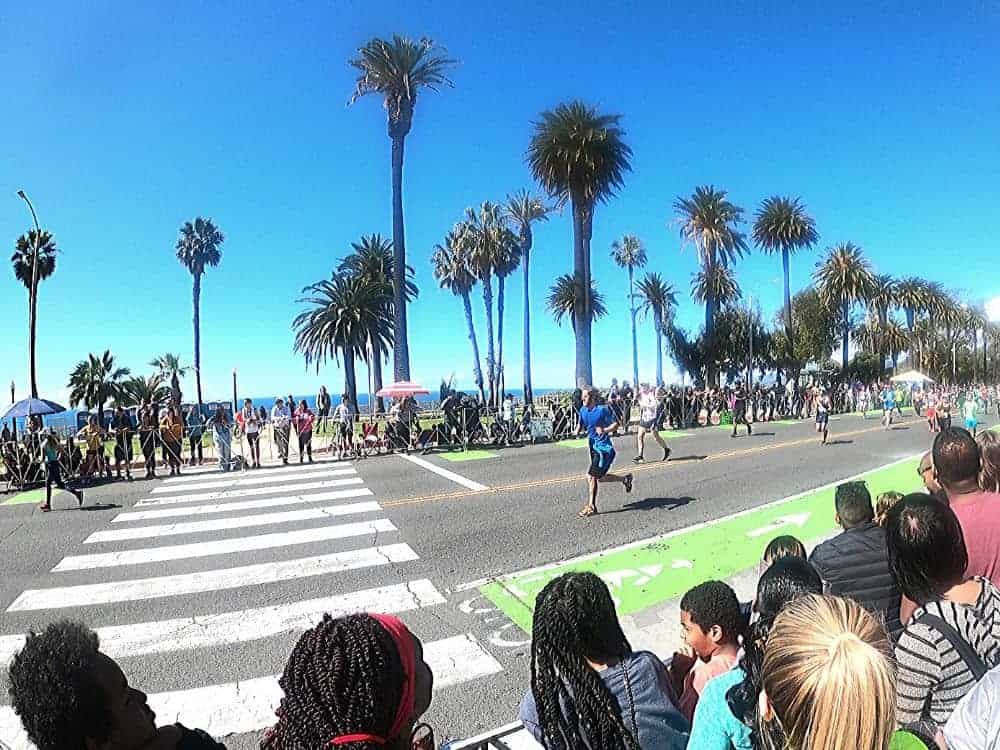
(788, 578)
(575, 618)
(344, 676)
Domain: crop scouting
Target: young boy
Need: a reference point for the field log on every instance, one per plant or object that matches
(712, 624)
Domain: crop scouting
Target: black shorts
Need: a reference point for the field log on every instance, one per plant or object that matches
(600, 463)
(344, 430)
(647, 424)
(123, 450)
(822, 418)
(253, 437)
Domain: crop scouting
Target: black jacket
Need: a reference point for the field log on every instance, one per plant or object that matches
(855, 564)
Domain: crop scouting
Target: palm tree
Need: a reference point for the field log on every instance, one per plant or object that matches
(708, 221)
(23, 260)
(882, 296)
(169, 367)
(95, 381)
(397, 70)
(198, 249)
(524, 209)
(912, 299)
(372, 259)
(451, 269)
(137, 389)
(579, 156)
(844, 276)
(659, 298)
(629, 254)
(719, 284)
(344, 313)
(506, 261)
(566, 300)
(782, 225)
(895, 339)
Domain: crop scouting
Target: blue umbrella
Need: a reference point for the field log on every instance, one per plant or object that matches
(32, 407)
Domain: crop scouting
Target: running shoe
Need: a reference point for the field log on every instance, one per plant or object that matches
(628, 483)
(666, 454)
(638, 460)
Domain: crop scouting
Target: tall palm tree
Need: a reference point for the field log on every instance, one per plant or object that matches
(881, 298)
(844, 277)
(397, 70)
(783, 225)
(23, 260)
(912, 299)
(343, 312)
(895, 339)
(451, 269)
(629, 254)
(523, 210)
(169, 367)
(135, 390)
(566, 300)
(506, 261)
(580, 156)
(709, 221)
(372, 258)
(659, 298)
(198, 249)
(95, 381)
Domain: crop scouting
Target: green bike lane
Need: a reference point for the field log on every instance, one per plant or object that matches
(649, 572)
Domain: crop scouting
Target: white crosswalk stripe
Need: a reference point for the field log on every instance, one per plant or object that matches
(202, 473)
(249, 491)
(183, 508)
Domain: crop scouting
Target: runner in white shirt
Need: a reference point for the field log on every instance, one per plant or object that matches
(650, 416)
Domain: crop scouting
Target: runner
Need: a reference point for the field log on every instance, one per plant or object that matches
(864, 401)
(51, 452)
(599, 423)
(739, 405)
(888, 404)
(823, 405)
(650, 415)
(970, 410)
(931, 412)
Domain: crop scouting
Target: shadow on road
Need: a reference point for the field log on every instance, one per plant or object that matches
(692, 457)
(841, 442)
(653, 503)
(101, 506)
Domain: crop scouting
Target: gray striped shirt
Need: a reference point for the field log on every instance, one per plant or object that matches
(932, 677)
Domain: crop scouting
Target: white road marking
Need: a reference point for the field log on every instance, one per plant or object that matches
(441, 472)
(202, 473)
(248, 706)
(248, 492)
(205, 631)
(254, 479)
(198, 510)
(240, 522)
(222, 546)
(210, 580)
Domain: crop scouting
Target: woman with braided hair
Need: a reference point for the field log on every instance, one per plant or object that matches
(357, 683)
(588, 688)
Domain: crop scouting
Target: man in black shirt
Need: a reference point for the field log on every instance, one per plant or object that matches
(121, 428)
(740, 409)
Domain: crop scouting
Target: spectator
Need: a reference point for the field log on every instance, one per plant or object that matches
(782, 546)
(827, 679)
(712, 625)
(855, 563)
(281, 421)
(989, 461)
(885, 501)
(955, 630)
(70, 696)
(588, 688)
(730, 699)
(252, 425)
(358, 681)
(148, 431)
(956, 465)
(304, 419)
(122, 428)
(222, 436)
(172, 434)
(926, 471)
(975, 723)
(196, 430)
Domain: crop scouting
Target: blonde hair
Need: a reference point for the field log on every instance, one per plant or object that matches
(829, 677)
(989, 460)
(885, 501)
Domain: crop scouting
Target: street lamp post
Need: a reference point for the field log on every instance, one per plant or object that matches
(235, 406)
(32, 296)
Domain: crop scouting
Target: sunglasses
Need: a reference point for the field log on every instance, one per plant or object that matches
(422, 738)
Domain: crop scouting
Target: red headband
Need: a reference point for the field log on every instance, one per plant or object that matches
(408, 658)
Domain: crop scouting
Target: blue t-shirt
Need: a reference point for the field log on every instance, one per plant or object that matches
(714, 726)
(888, 398)
(592, 418)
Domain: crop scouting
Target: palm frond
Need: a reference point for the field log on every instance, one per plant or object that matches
(783, 225)
(628, 252)
(709, 221)
(566, 297)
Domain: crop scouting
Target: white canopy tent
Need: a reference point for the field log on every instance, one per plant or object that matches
(912, 376)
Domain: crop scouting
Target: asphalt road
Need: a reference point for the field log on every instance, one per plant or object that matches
(456, 535)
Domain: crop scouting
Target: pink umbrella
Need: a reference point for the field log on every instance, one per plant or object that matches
(402, 389)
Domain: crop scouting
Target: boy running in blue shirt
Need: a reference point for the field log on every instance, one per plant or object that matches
(599, 423)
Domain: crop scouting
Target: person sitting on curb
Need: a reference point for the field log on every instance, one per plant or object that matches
(71, 696)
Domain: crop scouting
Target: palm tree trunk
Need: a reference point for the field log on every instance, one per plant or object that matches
(635, 344)
(32, 326)
(658, 322)
(196, 295)
(582, 225)
(499, 366)
(476, 368)
(401, 344)
(350, 381)
(529, 397)
(847, 333)
(377, 380)
(490, 352)
(788, 304)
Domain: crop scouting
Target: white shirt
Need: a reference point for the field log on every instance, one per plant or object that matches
(281, 416)
(342, 414)
(250, 424)
(975, 723)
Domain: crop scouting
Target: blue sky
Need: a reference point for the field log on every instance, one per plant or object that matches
(122, 120)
